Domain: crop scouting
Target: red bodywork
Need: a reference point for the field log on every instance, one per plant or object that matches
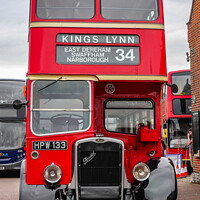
(42, 60)
(167, 113)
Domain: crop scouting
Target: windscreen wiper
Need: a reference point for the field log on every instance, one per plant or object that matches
(50, 84)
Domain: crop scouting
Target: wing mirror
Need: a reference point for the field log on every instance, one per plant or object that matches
(17, 104)
(174, 87)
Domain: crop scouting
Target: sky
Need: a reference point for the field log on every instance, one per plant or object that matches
(14, 15)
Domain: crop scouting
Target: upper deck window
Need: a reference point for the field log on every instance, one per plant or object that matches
(65, 9)
(143, 10)
(183, 82)
(60, 106)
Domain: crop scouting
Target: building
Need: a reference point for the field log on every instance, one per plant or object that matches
(194, 56)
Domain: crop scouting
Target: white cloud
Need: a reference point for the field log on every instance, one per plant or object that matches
(176, 16)
(13, 38)
(14, 15)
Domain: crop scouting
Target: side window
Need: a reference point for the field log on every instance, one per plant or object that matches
(124, 116)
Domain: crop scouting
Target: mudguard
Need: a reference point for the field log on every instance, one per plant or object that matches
(36, 192)
(162, 183)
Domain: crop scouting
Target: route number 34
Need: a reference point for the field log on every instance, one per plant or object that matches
(122, 55)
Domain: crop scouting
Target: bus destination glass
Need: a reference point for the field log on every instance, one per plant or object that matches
(127, 53)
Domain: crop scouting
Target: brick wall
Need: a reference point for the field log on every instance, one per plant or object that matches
(194, 45)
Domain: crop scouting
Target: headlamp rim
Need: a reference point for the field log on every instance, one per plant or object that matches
(57, 168)
(141, 164)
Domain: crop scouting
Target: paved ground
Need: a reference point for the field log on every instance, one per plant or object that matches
(187, 190)
(9, 187)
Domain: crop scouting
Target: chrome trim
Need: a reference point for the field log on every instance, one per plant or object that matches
(141, 164)
(66, 132)
(126, 185)
(33, 156)
(94, 139)
(57, 169)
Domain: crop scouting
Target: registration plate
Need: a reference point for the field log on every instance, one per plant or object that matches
(50, 145)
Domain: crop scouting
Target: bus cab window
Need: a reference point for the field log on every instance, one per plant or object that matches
(60, 106)
(178, 129)
(125, 116)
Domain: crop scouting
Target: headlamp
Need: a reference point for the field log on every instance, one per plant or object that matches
(52, 174)
(141, 172)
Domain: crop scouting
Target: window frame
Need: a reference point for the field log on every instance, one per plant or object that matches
(128, 99)
(65, 132)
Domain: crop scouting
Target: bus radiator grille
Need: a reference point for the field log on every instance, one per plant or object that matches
(99, 164)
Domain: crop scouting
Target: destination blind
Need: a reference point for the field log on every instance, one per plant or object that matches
(98, 55)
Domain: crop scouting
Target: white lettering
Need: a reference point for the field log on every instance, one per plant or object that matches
(47, 145)
(77, 39)
(95, 39)
(86, 39)
(107, 40)
(36, 145)
(122, 40)
(41, 145)
(64, 38)
(71, 49)
(131, 39)
(114, 39)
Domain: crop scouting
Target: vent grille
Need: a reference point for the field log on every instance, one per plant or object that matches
(99, 164)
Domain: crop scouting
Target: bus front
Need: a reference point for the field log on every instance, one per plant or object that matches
(94, 77)
(178, 118)
(12, 125)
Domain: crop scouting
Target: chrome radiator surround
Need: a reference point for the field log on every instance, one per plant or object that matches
(75, 184)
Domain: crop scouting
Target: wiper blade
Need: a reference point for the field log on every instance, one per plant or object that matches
(50, 84)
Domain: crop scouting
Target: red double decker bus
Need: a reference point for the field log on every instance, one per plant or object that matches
(176, 113)
(93, 93)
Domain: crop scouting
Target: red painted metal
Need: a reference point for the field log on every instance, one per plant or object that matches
(167, 112)
(42, 60)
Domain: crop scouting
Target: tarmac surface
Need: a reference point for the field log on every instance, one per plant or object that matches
(187, 190)
(9, 187)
